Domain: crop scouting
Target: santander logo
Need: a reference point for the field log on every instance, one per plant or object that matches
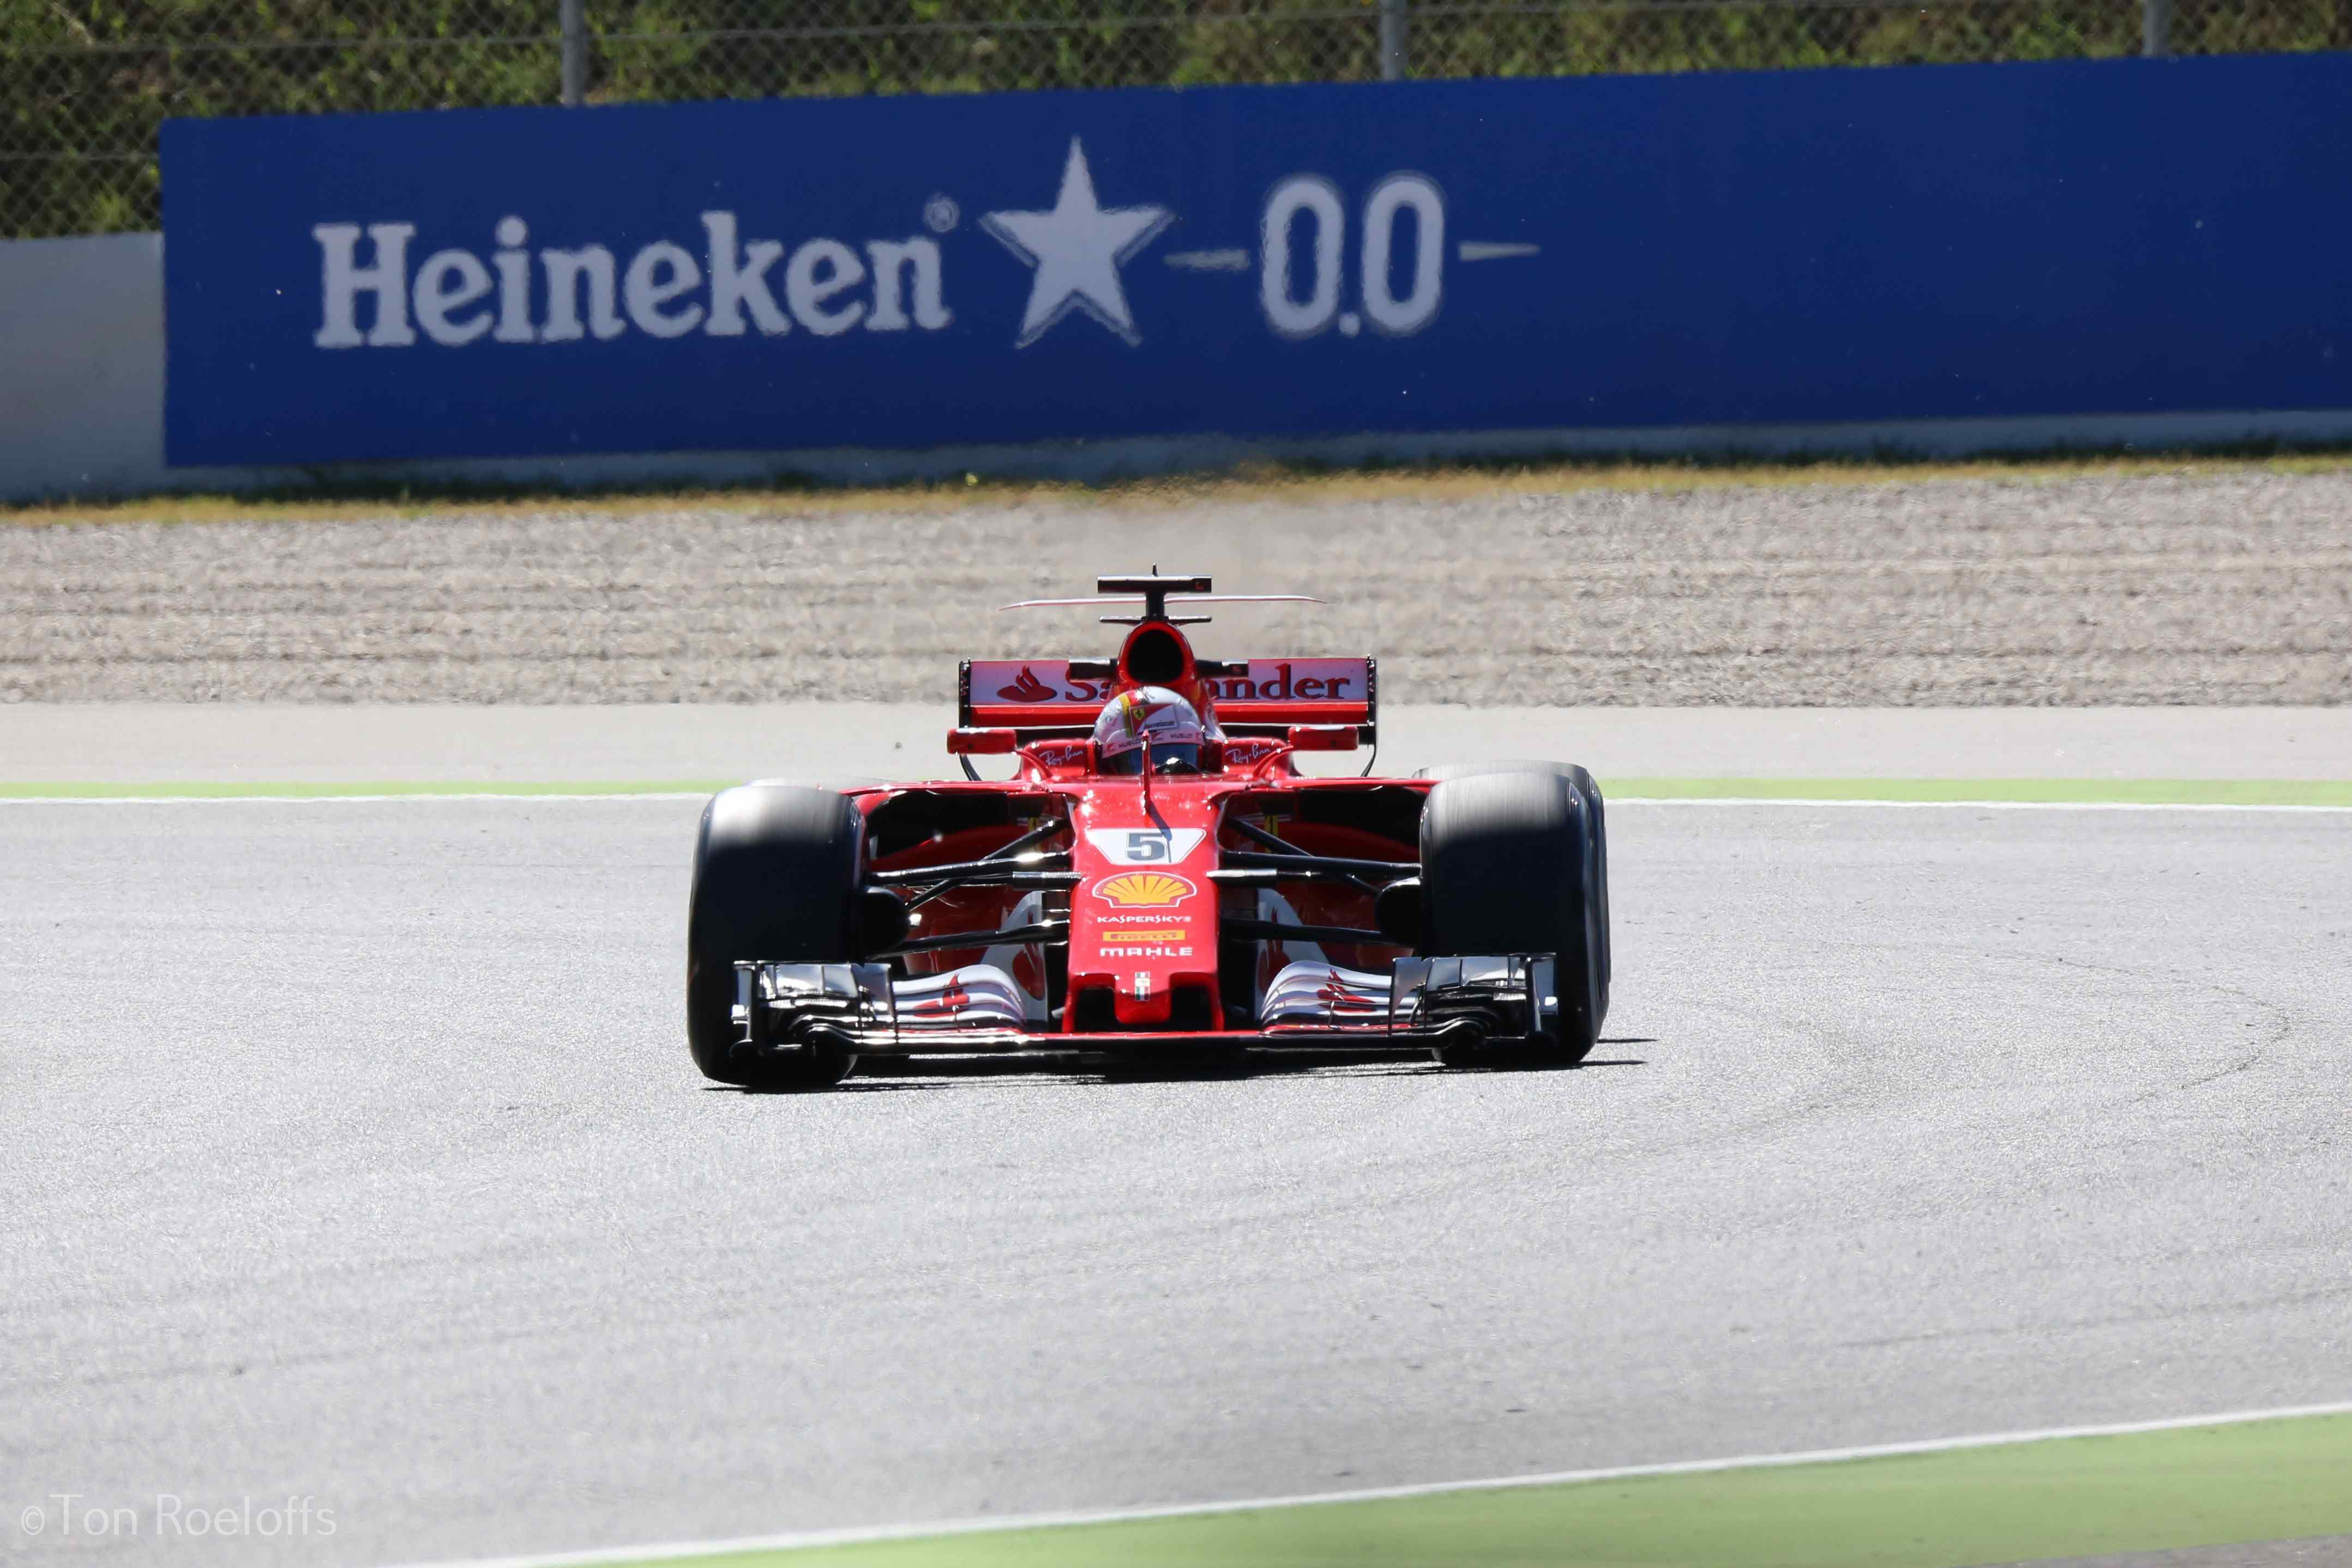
(1048, 682)
(1027, 688)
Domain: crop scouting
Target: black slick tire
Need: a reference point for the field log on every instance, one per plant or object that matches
(775, 880)
(1508, 865)
(1597, 811)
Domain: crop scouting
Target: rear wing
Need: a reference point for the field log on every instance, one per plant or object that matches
(1252, 696)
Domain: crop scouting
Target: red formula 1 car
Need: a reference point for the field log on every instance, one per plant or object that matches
(1156, 883)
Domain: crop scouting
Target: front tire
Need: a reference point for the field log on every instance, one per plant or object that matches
(1597, 811)
(1511, 864)
(775, 881)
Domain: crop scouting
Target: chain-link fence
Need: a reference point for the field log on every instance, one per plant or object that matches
(85, 82)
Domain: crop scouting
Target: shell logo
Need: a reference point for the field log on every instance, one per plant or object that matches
(1144, 888)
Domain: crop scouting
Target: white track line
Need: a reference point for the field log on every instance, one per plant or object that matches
(1966, 805)
(672, 1550)
(406, 796)
(611, 795)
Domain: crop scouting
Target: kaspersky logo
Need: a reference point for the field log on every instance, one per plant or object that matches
(1323, 264)
(1145, 889)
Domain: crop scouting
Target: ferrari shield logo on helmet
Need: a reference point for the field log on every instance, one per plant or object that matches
(1146, 717)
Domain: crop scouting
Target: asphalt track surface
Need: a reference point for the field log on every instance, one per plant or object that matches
(354, 1155)
(318, 743)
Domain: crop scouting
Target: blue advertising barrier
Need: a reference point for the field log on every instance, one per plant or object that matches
(1905, 244)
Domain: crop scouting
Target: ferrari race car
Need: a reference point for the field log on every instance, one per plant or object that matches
(1156, 884)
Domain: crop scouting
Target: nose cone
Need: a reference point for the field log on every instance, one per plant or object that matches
(1143, 918)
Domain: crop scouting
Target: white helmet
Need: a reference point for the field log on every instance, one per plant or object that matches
(1148, 721)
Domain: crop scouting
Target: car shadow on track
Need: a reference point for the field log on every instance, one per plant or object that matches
(900, 1076)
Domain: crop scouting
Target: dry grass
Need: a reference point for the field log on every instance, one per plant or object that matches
(1259, 484)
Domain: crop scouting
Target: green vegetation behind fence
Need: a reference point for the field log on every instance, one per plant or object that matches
(85, 83)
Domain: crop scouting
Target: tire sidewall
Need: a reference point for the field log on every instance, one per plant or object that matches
(1508, 865)
(776, 873)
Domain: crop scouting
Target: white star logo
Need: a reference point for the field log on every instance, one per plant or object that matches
(1077, 249)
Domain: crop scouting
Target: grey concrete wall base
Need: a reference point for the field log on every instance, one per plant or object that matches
(81, 416)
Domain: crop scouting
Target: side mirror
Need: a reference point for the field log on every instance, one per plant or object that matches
(1323, 737)
(1397, 912)
(882, 922)
(983, 742)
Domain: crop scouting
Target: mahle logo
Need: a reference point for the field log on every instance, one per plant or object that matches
(729, 288)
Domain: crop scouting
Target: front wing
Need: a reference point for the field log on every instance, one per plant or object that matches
(788, 1010)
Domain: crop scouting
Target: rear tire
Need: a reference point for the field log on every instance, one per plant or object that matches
(1509, 864)
(775, 881)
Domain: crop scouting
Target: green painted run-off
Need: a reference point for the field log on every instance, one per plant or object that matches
(2015, 1502)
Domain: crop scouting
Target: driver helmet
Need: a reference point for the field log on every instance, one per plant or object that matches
(1147, 722)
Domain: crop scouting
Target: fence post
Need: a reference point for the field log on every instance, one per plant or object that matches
(575, 22)
(2155, 28)
(1392, 40)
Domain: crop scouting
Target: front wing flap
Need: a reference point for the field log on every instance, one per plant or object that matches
(1419, 1004)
